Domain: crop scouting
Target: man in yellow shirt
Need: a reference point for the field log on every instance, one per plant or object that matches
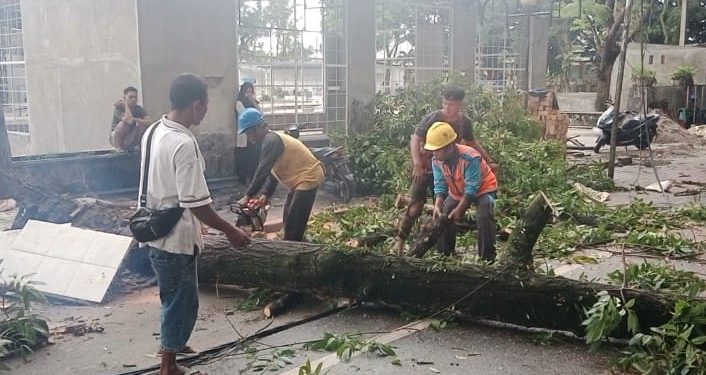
(286, 160)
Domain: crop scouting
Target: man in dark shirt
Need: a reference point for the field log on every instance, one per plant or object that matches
(287, 160)
(129, 121)
(422, 179)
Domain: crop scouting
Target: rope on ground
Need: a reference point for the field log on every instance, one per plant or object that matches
(217, 351)
(226, 349)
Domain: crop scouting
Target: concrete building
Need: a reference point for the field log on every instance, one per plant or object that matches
(80, 54)
(663, 60)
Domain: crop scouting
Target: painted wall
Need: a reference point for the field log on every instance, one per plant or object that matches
(79, 55)
(188, 36)
(664, 60)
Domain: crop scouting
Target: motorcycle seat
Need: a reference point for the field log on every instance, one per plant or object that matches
(323, 152)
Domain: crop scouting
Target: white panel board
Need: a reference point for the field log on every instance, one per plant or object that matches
(70, 262)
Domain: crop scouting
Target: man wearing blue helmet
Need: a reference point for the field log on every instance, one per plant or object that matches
(287, 160)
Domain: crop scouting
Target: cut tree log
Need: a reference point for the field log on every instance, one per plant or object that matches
(509, 293)
(429, 233)
(281, 304)
(529, 227)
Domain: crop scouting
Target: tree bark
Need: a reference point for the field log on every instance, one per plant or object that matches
(420, 286)
(523, 238)
(608, 54)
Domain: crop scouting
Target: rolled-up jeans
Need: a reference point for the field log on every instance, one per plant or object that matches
(485, 221)
(178, 293)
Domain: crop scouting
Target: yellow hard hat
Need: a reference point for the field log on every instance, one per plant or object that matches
(439, 135)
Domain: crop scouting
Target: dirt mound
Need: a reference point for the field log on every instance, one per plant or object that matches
(699, 131)
(669, 131)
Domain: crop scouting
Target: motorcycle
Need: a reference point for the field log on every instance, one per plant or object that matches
(633, 129)
(337, 169)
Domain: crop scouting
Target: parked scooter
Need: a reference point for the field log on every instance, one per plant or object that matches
(337, 169)
(633, 129)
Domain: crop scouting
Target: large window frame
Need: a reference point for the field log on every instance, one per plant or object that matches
(294, 50)
(13, 81)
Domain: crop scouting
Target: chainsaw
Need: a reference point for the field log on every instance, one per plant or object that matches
(252, 214)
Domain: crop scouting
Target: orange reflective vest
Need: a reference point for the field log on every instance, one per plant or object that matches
(470, 174)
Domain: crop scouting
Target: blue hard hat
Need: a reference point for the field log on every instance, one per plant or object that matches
(250, 118)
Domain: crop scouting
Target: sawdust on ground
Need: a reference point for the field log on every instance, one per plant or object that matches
(669, 131)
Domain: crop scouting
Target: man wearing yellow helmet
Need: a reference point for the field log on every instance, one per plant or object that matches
(452, 113)
(461, 177)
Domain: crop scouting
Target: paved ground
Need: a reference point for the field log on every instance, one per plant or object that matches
(131, 320)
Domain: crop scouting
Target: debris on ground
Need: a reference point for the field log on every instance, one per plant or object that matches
(669, 131)
(660, 186)
(598, 196)
(66, 261)
(699, 131)
(77, 327)
(7, 204)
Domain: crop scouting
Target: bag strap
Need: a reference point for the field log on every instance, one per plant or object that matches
(143, 179)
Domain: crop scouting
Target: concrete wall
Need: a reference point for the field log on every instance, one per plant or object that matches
(19, 143)
(360, 55)
(79, 56)
(665, 59)
(188, 36)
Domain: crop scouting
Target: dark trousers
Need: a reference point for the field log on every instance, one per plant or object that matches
(296, 212)
(485, 221)
(246, 160)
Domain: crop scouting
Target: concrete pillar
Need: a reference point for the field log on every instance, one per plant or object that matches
(5, 151)
(5, 156)
(539, 44)
(464, 28)
(183, 36)
(360, 60)
(79, 56)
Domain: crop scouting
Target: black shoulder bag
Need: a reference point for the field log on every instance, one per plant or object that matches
(147, 224)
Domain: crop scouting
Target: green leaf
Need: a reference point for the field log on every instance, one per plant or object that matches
(633, 322)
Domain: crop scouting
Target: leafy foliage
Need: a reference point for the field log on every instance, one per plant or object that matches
(676, 347)
(606, 315)
(343, 229)
(693, 212)
(273, 361)
(20, 329)
(346, 344)
(683, 72)
(306, 369)
(382, 163)
(255, 301)
(659, 277)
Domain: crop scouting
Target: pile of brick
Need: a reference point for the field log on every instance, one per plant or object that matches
(545, 109)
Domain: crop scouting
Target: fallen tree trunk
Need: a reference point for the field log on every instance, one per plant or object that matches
(509, 293)
(417, 285)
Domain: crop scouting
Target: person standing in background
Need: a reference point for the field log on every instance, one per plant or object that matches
(247, 155)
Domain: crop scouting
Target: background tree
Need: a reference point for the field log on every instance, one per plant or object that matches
(395, 21)
(595, 28)
(269, 29)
